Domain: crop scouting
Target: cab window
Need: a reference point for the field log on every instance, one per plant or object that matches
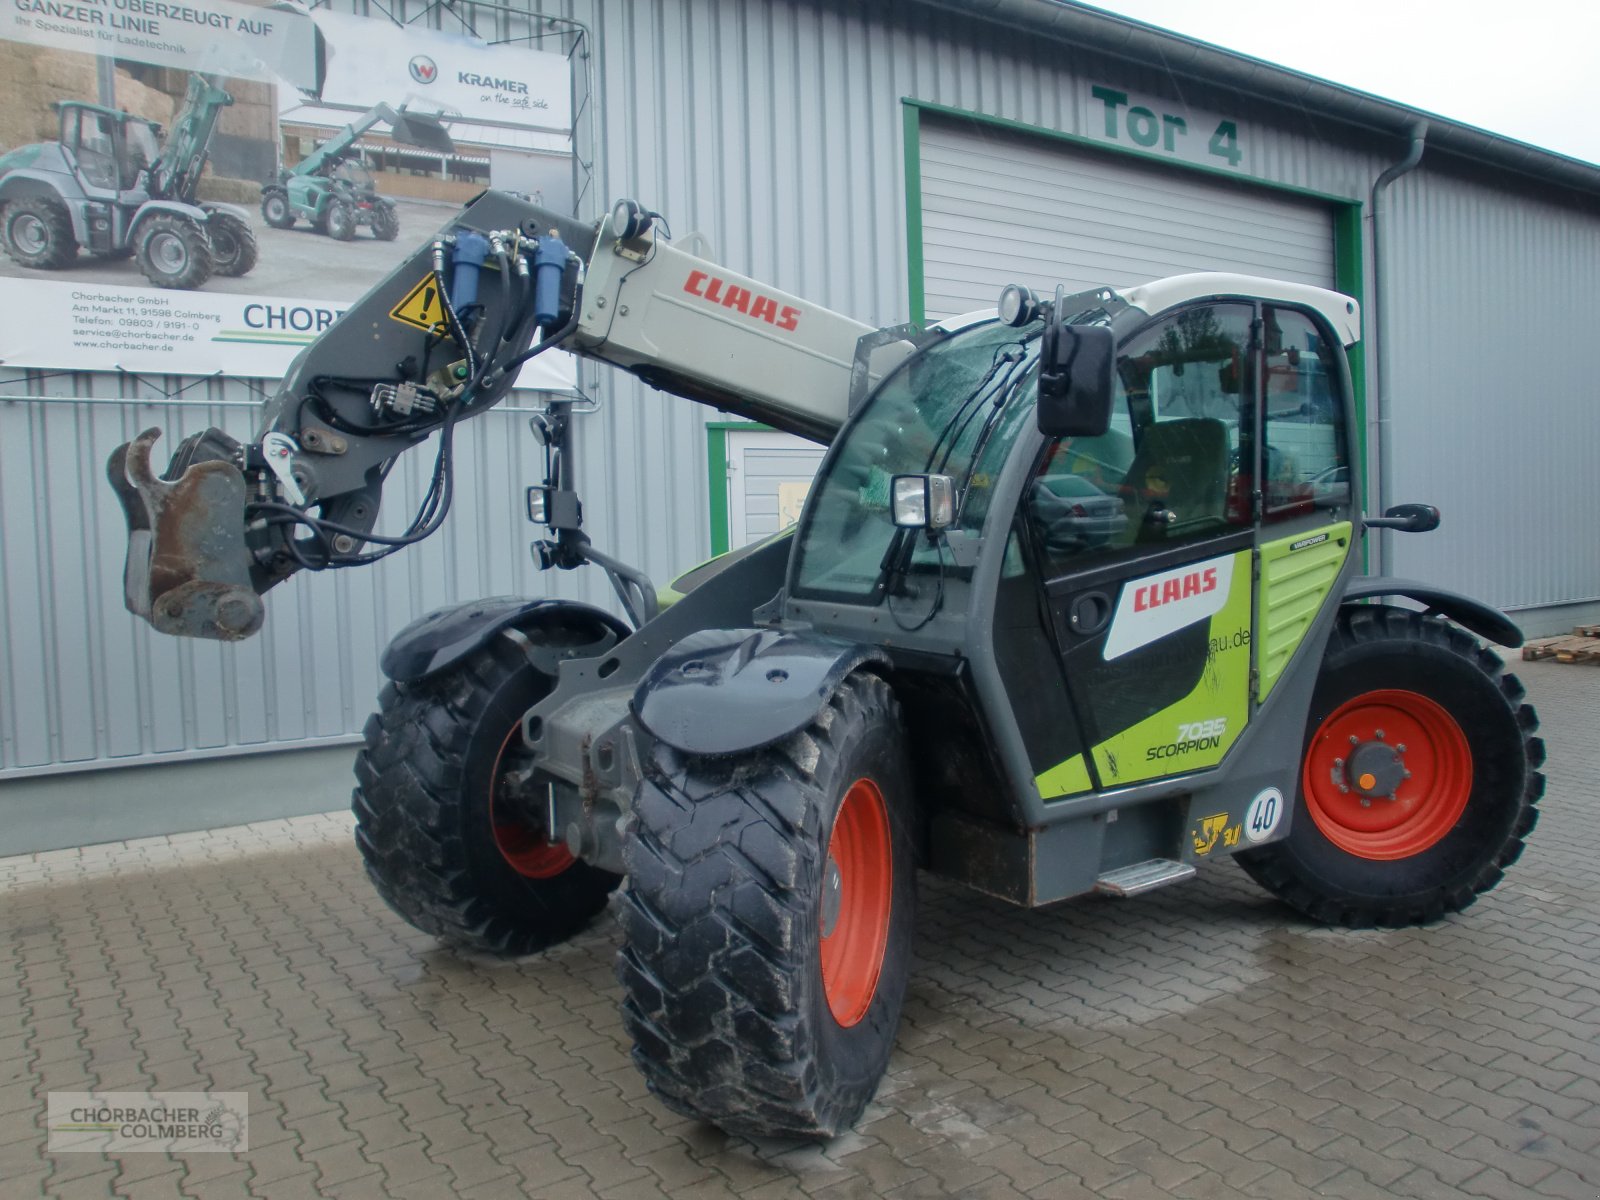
(1305, 467)
(1175, 464)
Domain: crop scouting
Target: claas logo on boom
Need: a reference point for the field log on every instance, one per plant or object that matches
(757, 307)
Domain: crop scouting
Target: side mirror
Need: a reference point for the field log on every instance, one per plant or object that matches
(923, 501)
(1407, 518)
(1075, 377)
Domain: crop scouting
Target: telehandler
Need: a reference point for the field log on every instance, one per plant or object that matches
(332, 188)
(1074, 606)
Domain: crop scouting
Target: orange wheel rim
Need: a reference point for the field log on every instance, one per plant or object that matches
(1371, 741)
(526, 848)
(858, 885)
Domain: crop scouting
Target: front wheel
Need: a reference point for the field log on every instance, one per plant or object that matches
(339, 221)
(1419, 778)
(452, 838)
(768, 918)
(385, 222)
(173, 252)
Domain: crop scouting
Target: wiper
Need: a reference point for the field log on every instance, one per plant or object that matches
(1001, 379)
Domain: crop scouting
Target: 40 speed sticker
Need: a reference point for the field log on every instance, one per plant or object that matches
(1263, 815)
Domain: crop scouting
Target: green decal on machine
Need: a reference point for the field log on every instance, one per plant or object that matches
(1296, 573)
(1064, 779)
(1199, 729)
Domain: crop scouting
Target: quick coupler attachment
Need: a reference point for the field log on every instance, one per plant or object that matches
(188, 568)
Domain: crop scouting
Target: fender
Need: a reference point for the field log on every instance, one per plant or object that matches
(176, 208)
(725, 691)
(1482, 619)
(442, 638)
(233, 210)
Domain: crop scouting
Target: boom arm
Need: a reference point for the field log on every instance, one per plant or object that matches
(439, 341)
(175, 175)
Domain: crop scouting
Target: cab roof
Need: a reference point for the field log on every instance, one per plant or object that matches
(1340, 311)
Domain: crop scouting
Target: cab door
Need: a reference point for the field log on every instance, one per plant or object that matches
(1144, 539)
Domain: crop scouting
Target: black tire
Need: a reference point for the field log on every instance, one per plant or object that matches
(721, 965)
(385, 222)
(1376, 648)
(233, 245)
(424, 798)
(173, 251)
(276, 210)
(37, 233)
(339, 221)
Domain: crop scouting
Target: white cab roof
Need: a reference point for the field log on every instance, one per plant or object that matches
(1343, 313)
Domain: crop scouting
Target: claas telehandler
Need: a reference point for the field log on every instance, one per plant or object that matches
(1075, 605)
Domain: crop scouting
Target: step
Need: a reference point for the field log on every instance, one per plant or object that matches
(1143, 877)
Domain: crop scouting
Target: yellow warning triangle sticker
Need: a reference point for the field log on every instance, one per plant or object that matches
(422, 308)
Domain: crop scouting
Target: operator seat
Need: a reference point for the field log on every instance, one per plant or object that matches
(1177, 483)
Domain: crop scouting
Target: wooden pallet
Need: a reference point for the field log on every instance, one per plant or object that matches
(1581, 649)
(1587, 631)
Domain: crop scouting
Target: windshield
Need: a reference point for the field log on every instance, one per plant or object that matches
(355, 173)
(143, 148)
(952, 409)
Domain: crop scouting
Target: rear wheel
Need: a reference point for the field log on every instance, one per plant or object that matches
(38, 233)
(233, 245)
(173, 252)
(276, 209)
(767, 922)
(452, 835)
(1419, 778)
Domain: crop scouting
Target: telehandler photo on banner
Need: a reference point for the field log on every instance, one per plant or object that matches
(1074, 606)
(203, 188)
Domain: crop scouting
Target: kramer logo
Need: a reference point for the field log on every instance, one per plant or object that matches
(423, 69)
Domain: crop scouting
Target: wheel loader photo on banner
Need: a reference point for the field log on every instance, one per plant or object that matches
(116, 186)
(207, 205)
(1075, 606)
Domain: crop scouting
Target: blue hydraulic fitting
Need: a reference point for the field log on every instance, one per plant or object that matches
(549, 264)
(471, 249)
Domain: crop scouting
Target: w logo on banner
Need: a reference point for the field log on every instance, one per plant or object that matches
(423, 69)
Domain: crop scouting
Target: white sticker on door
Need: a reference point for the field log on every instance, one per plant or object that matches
(1157, 605)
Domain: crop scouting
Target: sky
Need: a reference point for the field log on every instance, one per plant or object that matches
(1525, 70)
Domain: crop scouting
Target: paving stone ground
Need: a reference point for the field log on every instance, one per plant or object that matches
(1198, 1042)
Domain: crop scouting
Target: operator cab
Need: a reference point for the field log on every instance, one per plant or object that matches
(1095, 586)
(112, 149)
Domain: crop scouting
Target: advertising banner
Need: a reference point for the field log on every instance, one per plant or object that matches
(209, 185)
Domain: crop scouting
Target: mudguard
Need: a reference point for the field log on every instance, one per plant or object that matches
(725, 691)
(1482, 619)
(442, 638)
(177, 208)
(210, 207)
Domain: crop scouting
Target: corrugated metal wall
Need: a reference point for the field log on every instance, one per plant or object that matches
(776, 129)
(1495, 406)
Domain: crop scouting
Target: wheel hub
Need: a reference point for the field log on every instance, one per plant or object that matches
(1373, 770)
(832, 896)
(169, 253)
(28, 234)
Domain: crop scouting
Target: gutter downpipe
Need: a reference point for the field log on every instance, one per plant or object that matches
(1378, 407)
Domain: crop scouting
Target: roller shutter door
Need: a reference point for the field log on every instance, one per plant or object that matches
(999, 208)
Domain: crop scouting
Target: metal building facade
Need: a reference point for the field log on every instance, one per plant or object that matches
(779, 131)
